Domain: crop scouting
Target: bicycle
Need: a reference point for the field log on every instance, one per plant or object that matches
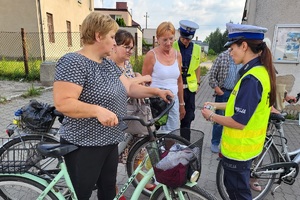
(37, 187)
(275, 163)
(24, 137)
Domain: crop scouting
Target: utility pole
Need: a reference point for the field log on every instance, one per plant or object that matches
(147, 16)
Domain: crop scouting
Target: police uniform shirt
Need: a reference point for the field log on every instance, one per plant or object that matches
(250, 89)
(186, 54)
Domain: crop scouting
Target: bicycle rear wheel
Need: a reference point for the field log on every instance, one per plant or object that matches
(266, 181)
(190, 193)
(21, 188)
(137, 154)
(28, 141)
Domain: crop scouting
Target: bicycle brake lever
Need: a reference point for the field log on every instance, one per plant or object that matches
(122, 125)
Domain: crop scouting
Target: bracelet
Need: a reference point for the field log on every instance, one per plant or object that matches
(198, 83)
(182, 104)
(210, 116)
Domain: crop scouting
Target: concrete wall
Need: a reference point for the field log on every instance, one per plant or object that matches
(18, 14)
(62, 11)
(269, 13)
(149, 33)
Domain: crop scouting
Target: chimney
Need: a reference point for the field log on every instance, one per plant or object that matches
(121, 5)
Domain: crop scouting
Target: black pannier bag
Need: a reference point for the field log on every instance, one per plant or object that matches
(38, 116)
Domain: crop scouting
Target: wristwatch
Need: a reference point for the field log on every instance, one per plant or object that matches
(198, 83)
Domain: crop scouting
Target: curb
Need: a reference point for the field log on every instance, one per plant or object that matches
(20, 95)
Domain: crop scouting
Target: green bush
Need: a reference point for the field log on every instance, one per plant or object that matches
(137, 63)
(211, 52)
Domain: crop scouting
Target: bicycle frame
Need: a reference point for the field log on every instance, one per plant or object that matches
(63, 173)
(282, 152)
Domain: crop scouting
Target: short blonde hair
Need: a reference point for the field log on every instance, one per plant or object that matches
(96, 22)
(164, 27)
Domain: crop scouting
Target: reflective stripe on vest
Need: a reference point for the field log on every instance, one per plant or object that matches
(194, 64)
(246, 144)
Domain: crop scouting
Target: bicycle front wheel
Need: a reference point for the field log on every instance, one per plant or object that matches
(138, 152)
(190, 193)
(21, 188)
(265, 180)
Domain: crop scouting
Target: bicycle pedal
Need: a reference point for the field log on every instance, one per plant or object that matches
(289, 180)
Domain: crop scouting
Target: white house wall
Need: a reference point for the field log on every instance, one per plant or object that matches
(268, 13)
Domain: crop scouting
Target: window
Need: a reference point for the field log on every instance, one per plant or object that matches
(69, 34)
(50, 27)
(286, 43)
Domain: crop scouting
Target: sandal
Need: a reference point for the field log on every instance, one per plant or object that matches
(254, 185)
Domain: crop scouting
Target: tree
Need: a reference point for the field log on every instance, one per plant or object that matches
(121, 22)
(216, 40)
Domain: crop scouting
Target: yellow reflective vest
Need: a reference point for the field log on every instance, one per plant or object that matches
(246, 144)
(194, 64)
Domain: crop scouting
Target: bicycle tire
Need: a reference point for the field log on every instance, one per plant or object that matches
(265, 182)
(21, 188)
(27, 137)
(136, 150)
(28, 140)
(190, 193)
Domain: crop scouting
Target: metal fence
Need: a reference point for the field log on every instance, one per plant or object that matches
(45, 47)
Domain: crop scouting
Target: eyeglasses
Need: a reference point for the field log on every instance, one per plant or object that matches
(128, 48)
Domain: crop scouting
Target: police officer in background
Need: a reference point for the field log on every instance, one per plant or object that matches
(190, 53)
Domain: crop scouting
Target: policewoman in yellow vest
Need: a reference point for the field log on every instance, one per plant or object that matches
(248, 108)
(190, 53)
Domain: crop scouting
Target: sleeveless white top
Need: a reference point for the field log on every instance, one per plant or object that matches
(165, 76)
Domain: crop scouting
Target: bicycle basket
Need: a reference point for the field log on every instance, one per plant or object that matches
(19, 158)
(173, 163)
(37, 116)
(157, 105)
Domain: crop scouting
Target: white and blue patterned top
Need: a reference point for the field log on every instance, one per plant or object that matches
(101, 86)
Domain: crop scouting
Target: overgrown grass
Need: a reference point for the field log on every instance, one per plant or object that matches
(203, 70)
(2, 100)
(15, 70)
(32, 92)
(137, 63)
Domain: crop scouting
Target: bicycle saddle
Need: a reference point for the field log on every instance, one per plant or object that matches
(277, 117)
(55, 150)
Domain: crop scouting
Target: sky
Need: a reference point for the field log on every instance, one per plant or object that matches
(208, 14)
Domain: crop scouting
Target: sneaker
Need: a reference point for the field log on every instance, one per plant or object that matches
(215, 148)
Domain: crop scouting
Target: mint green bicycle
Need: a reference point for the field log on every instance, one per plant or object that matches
(17, 183)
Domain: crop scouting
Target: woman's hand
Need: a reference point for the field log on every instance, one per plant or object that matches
(206, 112)
(182, 112)
(165, 95)
(107, 118)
